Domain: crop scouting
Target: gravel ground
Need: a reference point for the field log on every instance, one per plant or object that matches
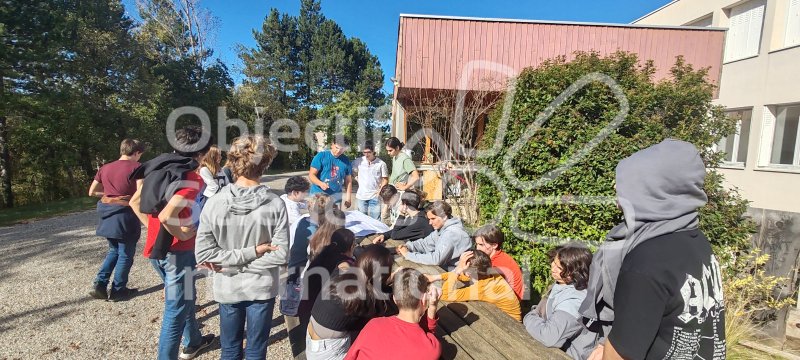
(46, 271)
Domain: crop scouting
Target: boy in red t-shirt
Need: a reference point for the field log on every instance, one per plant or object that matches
(177, 266)
(408, 335)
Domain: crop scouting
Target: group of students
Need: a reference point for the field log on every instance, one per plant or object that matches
(653, 294)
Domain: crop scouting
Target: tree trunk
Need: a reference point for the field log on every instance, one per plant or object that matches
(5, 164)
(5, 156)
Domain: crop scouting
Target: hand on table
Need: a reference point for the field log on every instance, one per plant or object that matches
(402, 250)
(378, 239)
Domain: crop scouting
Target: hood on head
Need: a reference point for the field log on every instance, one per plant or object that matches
(661, 182)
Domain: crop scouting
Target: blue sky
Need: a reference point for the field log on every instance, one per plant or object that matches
(376, 21)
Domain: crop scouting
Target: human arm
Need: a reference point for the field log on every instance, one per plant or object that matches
(207, 247)
(135, 203)
(610, 353)
(209, 180)
(412, 228)
(96, 189)
(412, 180)
(348, 199)
(442, 251)
(384, 177)
(425, 244)
(413, 174)
(313, 172)
(553, 331)
(433, 295)
(451, 293)
(169, 217)
(279, 255)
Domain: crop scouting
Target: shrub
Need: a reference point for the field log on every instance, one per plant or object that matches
(578, 203)
(749, 293)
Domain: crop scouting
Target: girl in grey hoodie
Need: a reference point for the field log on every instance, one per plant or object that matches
(555, 322)
(243, 235)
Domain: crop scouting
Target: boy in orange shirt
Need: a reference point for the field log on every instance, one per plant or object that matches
(485, 285)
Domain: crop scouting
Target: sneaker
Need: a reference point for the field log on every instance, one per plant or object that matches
(189, 352)
(99, 292)
(123, 294)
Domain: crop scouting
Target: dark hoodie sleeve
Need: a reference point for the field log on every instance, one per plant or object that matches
(412, 229)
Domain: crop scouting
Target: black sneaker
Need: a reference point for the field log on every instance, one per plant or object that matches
(189, 352)
(99, 292)
(123, 294)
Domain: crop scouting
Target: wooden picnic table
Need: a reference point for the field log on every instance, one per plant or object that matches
(477, 329)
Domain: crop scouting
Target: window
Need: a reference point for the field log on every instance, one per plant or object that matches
(744, 30)
(735, 145)
(784, 142)
(793, 24)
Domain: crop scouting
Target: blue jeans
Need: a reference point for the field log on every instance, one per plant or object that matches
(256, 316)
(179, 320)
(120, 258)
(370, 207)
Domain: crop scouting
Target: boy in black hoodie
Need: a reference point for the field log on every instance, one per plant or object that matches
(163, 202)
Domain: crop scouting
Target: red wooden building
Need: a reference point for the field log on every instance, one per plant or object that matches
(438, 53)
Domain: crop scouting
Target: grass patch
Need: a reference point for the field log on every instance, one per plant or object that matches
(39, 211)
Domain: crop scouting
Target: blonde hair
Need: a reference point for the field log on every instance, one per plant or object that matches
(212, 159)
(250, 155)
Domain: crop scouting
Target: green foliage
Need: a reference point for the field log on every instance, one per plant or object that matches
(303, 67)
(78, 76)
(749, 295)
(680, 107)
(308, 61)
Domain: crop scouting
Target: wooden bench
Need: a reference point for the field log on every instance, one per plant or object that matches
(479, 330)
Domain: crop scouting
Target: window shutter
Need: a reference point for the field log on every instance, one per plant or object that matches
(767, 133)
(793, 24)
(744, 30)
(756, 21)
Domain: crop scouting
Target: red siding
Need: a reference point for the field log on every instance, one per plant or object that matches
(433, 53)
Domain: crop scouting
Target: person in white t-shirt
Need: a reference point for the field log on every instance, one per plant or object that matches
(296, 192)
(372, 174)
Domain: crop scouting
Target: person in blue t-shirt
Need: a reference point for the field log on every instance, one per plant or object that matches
(330, 172)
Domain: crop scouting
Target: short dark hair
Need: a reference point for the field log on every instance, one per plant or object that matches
(411, 199)
(387, 192)
(296, 183)
(369, 145)
(410, 286)
(491, 234)
(575, 260)
(129, 147)
(188, 141)
(480, 262)
(394, 143)
(441, 209)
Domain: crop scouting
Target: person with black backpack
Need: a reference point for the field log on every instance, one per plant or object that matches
(163, 202)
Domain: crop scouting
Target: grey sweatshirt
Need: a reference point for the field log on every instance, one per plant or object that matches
(555, 322)
(442, 247)
(232, 223)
